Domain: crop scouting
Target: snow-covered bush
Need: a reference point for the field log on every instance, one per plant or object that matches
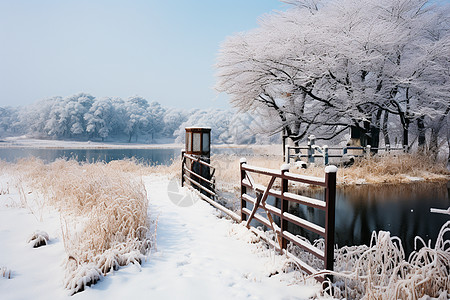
(38, 238)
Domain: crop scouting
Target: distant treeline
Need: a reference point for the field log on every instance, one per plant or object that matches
(83, 116)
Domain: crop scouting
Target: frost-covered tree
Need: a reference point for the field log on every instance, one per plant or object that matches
(173, 118)
(155, 119)
(9, 121)
(136, 116)
(227, 127)
(324, 66)
(99, 118)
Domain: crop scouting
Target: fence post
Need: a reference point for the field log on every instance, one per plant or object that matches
(325, 154)
(288, 155)
(330, 198)
(311, 142)
(183, 162)
(368, 150)
(243, 189)
(284, 205)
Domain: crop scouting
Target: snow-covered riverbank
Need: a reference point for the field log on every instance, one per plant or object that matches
(197, 255)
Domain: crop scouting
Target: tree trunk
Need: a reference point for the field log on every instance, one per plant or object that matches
(434, 147)
(405, 133)
(375, 132)
(385, 128)
(422, 137)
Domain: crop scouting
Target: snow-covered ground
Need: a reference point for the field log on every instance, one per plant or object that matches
(198, 255)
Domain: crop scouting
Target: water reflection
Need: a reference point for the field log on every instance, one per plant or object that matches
(147, 156)
(403, 209)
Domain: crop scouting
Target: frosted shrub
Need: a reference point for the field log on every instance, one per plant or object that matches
(38, 239)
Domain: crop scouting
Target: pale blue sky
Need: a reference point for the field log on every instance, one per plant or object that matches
(161, 50)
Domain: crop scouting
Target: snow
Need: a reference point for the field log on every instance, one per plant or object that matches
(198, 255)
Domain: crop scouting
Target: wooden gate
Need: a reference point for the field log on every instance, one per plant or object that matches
(282, 233)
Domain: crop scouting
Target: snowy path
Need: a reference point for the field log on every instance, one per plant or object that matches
(199, 256)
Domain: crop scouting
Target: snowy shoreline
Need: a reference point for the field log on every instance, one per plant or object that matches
(25, 142)
(222, 254)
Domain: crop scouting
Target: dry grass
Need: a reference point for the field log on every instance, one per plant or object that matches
(393, 169)
(103, 214)
(374, 170)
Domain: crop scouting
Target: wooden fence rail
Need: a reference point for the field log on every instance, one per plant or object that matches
(283, 236)
(311, 152)
(203, 187)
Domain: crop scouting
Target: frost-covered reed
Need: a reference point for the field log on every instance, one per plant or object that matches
(104, 215)
(381, 270)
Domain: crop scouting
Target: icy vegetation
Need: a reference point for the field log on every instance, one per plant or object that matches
(320, 67)
(38, 239)
(82, 116)
(103, 216)
(381, 270)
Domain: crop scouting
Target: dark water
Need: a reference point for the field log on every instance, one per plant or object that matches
(147, 156)
(403, 209)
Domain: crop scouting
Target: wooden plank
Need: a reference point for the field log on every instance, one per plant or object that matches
(304, 223)
(197, 159)
(305, 179)
(270, 208)
(257, 217)
(305, 200)
(199, 185)
(302, 244)
(304, 266)
(198, 176)
(261, 199)
(222, 208)
(260, 170)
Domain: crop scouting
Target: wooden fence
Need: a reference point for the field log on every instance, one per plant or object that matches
(282, 234)
(205, 188)
(311, 152)
(201, 185)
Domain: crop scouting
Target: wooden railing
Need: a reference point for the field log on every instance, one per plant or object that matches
(283, 236)
(311, 152)
(202, 183)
